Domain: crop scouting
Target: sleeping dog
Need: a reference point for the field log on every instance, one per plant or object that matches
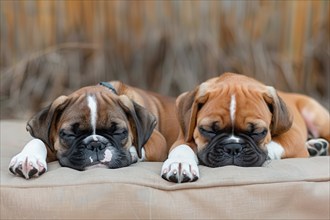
(236, 120)
(109, 125)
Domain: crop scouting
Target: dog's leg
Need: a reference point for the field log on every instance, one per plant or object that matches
(181, 165)
(275, 151)
(317, 120)
(292, 142)
(31, 161)
(316, 117)
(156, 148)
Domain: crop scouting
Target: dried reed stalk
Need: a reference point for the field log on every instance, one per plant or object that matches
(165, 46)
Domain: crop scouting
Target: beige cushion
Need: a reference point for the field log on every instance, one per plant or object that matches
(286, 189)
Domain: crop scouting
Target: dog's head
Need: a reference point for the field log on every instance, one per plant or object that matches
(93, 127)
(230, 119)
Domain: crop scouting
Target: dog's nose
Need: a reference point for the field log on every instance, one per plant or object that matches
(233, 149)
(95, 145)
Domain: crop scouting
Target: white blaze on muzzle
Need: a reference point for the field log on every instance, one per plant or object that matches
(234, 138)
(94, 137)
(232, 109)
(92, 104)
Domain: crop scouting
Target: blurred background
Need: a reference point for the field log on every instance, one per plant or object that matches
(49, 48)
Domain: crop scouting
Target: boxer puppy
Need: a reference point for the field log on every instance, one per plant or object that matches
(236, 120)
(110, 125)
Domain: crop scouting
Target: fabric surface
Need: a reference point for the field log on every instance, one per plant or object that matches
(285, 189)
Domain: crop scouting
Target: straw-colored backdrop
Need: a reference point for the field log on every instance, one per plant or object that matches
(49, 48)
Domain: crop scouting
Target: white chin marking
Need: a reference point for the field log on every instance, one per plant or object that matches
(275, 150)
(107, 156)
(92, 104)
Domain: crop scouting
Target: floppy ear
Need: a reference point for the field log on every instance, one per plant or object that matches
(142, 121)
(188, 104)
(41, 124)
(281, 117)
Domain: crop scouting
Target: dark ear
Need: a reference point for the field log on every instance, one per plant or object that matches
(281, 117)
(188, 104)
(142, 121)
(41, 124)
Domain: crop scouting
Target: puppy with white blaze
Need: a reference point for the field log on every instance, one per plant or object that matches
(236, 120)
(110, 125)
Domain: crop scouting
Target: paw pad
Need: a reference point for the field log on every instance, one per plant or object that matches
(317, 147)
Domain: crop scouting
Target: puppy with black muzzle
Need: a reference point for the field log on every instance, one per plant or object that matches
(236, 120)
(110, 125)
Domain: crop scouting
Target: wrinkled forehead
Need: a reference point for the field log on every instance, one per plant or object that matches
(230, 95)
(233, 107)
(92, 110)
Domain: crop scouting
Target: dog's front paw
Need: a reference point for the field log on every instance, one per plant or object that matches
(27, 166)
(31, 161)
(134, 155)
(181, 165)
(317, 147)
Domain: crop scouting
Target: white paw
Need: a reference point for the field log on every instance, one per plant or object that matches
(31, 161)
(181, 165)
(275, 150)
(134, 155)
(317, 147)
